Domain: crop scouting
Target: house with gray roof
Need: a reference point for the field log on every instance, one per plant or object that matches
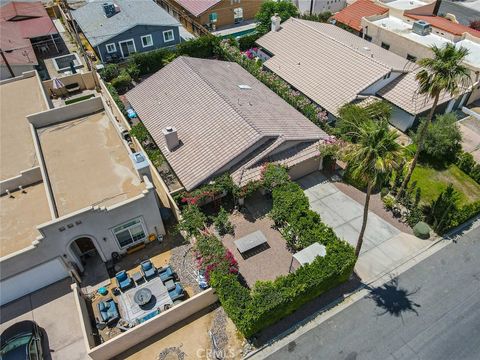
(118, 28)
(209, 117)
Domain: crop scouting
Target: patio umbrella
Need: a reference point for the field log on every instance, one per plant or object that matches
(57, 84)
(72, 67)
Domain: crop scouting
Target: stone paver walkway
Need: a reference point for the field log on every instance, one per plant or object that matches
(384, 246)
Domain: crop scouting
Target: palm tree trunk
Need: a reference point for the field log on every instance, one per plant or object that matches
(420, 141)
(365, 218)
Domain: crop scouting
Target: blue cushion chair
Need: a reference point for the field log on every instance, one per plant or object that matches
(123, 280)
(108, 310)
(148, 269)
(166, 273)
(176, 293)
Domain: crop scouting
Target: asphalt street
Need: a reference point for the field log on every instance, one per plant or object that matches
(430, 312)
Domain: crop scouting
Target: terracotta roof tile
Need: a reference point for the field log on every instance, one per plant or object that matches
(352, 15)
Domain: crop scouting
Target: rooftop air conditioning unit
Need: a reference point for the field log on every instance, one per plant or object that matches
(421, 27)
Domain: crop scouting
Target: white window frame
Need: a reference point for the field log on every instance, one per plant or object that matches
(114, 48)
(126, 41)
(135, 222)
(173, 35)
(149, 36)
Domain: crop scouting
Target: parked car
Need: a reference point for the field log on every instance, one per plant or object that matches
(22, 340)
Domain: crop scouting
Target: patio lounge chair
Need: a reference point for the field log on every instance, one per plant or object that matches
(123, 280)
(108, 310)
(148, 269)
(176, 293)
(166, 273)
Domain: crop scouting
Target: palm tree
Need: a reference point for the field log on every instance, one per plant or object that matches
(444, 73)
(370, 159)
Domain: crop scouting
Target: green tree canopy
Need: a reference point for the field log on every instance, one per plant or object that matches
(284, 8)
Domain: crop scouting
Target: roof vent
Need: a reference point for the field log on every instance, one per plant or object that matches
(109, 9)
(421, 28)
(245, 87)
(171, 137)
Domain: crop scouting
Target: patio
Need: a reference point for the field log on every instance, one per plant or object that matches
(269, 261)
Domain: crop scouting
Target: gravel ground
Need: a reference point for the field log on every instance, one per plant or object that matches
(218, 330)
(183, 264)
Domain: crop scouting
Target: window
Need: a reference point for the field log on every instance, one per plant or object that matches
(212, 17)
(385, 46)
(111, 48)
(238, 15)
(411, 58)
(367, 37)
(147, 40)
(168, 36)
(130, 232)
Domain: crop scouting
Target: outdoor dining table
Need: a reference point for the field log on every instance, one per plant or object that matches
(250, 241)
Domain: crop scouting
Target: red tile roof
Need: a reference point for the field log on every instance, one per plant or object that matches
(19, 22)
(352, 15)
(197, 7)
(445, 24)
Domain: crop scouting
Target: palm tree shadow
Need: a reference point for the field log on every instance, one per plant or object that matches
(393, 299)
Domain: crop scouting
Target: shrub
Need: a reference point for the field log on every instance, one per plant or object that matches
(467, 164)
(122, 82)
(133, 70)
(110, 72)
(80, 98)
(274, 175)
(113, 92)
(415, 215)
(216, 187)
(222, 223)
(388, 202)
(212, 256)
(150, 62)
(421, 230)
(155, 156)
(442, 210)
(140, 132)
(202, 47)
(284, 8)
(193, 221)
(320, 17)
(384, 192)
(287, 199)
(248, 41)
(442, 140)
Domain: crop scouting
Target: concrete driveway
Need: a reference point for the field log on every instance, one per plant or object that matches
(53, 309)
(384, 246)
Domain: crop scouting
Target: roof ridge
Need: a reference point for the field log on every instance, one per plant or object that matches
(219, 93)
(304, 23)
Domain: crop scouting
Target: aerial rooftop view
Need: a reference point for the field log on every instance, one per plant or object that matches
(239, 179)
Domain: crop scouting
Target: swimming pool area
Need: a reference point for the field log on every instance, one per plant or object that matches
(62, 63)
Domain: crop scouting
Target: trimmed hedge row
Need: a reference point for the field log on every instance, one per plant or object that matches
(270, 301)
(81, 98)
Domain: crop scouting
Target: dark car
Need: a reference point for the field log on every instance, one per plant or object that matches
(22, 340)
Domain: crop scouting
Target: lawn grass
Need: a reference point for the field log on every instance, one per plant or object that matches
(432, 182)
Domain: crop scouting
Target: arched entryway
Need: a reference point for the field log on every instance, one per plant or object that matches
(89, 260)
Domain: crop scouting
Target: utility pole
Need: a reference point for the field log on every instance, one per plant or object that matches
(6, 63)
(311, 7)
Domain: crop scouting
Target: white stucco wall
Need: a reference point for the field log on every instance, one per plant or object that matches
(320, 6)
(17, 70)
(92, 222)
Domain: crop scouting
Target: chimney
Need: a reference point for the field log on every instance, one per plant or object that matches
(171, 137)
(276, 22)
(109, 9)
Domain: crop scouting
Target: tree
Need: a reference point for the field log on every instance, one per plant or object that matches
(371, 159)
(193, 221)
(442, 139)
(443, 209)
(444, 73)
(284, 8)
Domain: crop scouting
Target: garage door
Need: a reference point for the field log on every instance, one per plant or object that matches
(31, 280)
(304, 168)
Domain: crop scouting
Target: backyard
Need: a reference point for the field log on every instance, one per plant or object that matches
(433, 181)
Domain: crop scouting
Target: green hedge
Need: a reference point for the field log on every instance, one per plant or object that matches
(81, 98)
(467, 164)
(116, 98)
(270, 301)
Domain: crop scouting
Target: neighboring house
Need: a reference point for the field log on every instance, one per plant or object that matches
(464, 12)
(25, 28)
(72, 193)
(351, 16)
(116, 29)
(342, 68)
(319, 6)
(411, 36)
(209, 117)
(212, 14)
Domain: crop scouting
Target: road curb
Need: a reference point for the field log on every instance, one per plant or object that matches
(336, 306)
